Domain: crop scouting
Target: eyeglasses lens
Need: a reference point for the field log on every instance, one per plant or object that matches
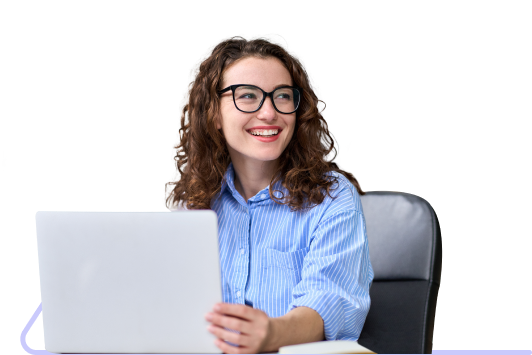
(248, 99)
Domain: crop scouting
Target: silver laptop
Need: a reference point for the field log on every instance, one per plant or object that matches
(128, 282)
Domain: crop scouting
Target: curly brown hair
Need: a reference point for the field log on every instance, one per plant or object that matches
(202, 156)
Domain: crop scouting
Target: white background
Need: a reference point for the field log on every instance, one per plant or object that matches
(455, 326)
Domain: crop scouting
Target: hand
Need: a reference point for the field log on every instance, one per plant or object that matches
(252, 324)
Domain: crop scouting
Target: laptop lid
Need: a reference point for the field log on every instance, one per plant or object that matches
(128, 282)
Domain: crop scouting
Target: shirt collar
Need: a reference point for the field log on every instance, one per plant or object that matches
(229, 179)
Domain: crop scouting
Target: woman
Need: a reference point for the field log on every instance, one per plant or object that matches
(293, 247)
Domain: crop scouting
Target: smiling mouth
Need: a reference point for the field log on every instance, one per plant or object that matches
(264, 132)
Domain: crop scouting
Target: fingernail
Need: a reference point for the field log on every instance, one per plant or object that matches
(208, 316)
(217, 307)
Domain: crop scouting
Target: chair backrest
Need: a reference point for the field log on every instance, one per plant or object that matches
(406, 252)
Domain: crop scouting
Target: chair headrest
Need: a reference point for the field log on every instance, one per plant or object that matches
(404, 236)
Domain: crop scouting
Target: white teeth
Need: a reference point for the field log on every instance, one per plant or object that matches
(264, 132)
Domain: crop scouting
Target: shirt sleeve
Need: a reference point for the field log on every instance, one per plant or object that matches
(337, 274)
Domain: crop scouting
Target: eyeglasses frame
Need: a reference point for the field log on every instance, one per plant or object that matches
(264, 95)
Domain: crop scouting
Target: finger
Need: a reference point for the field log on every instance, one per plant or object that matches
(229, 349)
(236, 310)
(233, 323)
(235, 338)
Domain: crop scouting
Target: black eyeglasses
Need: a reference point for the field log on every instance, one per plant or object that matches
(249, 98)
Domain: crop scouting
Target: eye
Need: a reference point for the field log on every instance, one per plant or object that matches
(283, 96)
(248, 95)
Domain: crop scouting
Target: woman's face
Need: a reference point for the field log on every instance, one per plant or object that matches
(248, 135)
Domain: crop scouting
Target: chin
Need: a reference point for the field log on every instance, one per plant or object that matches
(266, 156)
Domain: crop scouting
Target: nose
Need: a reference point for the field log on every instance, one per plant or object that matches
(267, 111)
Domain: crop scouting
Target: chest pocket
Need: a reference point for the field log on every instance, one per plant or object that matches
(288, 263)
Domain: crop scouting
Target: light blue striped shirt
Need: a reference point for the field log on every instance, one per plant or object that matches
(276, 260)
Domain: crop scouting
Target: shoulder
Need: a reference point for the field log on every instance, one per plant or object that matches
(342, 187)
(342, 197)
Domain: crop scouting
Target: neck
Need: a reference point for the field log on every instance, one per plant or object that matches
(252, 177)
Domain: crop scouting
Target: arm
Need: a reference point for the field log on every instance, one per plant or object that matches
(300, 325)
(337, 274)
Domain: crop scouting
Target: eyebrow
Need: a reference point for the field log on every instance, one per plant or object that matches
(275, 87)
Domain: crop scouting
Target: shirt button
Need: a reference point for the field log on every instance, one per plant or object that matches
(242, 251)
(238, 294)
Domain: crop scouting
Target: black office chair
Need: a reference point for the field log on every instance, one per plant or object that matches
(406, 253)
